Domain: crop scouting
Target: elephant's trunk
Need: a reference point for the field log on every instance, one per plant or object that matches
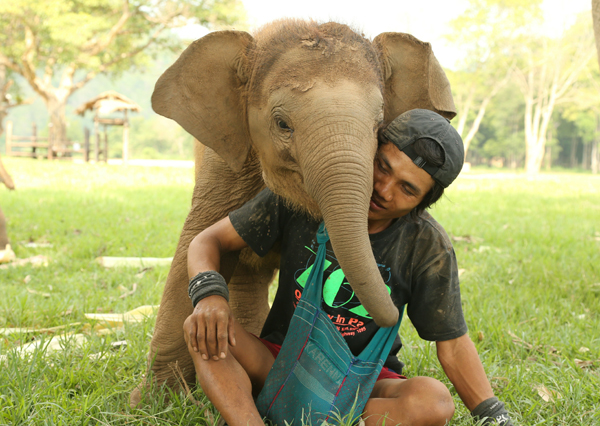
(340, 179)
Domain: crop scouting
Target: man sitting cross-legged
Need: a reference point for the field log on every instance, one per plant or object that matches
(419, 154)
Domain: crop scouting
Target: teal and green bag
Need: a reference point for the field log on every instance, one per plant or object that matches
(315, 376)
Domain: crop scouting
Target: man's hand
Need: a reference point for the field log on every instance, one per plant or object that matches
(210, 328)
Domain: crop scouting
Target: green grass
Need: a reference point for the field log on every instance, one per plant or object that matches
(530, 251)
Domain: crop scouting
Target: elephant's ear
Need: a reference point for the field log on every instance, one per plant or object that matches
(202, 91)
(413, 77)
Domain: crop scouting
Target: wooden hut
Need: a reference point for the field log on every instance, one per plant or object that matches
(105, 104)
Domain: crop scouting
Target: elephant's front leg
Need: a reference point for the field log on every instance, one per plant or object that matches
(168, 350)
(249, 293)
(217, 192)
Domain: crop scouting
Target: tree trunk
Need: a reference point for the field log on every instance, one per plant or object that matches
(58, 121)
(463, 113)
(531, 136)
(548, 158)
(535, 142)
(537, 128)
(573, 160)
(482, 108)
(533, 157)
(595, 154)
(585, 158)
(476, 123)
(596, 19)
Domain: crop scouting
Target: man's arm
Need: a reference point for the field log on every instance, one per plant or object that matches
(204, 253)
(210, 327)
(462, 365)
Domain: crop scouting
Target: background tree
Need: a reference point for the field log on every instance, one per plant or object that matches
(546, 73)
(9, 95)
(473, 92)
(487, 32)
(501, 132)
(596, 20)
(505, 47)
(58, 46)
(582, 109)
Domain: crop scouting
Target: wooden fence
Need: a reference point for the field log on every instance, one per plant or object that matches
(35, 146)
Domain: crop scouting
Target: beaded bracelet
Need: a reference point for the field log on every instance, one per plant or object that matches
(207, 283)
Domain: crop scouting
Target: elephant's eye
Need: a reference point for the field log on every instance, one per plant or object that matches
(283, 125)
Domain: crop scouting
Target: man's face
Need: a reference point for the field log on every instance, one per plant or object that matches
(398, 187)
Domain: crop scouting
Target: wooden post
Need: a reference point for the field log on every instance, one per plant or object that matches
(595, 154)
(9, 129)
(86, 145)
(125, 139)
(50, 141)
(33, 138)
(97, 139)
(105, 144)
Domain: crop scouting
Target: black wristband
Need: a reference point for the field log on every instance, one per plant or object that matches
(208, 283)
(492, 411)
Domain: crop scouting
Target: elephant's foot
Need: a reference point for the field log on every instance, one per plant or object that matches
(149, 393)
(135, 397)
(177, 376)
(7, 255)
(143, 392)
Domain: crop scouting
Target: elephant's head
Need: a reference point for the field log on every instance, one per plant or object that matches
(309, 99)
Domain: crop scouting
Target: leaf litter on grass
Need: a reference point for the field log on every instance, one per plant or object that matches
(104, 324)
(547, 394)
(39, 260)
(550, 350)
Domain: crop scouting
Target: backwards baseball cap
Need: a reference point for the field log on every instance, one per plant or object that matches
(416, 124)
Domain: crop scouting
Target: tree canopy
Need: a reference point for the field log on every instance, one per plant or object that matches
(58, 46)
(505, 48)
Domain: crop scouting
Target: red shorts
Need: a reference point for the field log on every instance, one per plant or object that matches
(386, 373)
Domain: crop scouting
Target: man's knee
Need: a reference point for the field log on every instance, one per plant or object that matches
(424, 400)
(433, 398)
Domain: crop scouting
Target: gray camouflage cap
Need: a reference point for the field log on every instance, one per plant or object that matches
(416, 124)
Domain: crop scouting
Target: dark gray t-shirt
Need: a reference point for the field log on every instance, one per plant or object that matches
(415, 258)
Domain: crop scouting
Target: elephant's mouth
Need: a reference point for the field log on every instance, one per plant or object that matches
(290, 185)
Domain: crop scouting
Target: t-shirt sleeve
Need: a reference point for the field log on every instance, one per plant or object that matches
(435, 305)
(258, 221)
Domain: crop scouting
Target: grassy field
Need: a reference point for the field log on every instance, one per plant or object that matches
(529, 251)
